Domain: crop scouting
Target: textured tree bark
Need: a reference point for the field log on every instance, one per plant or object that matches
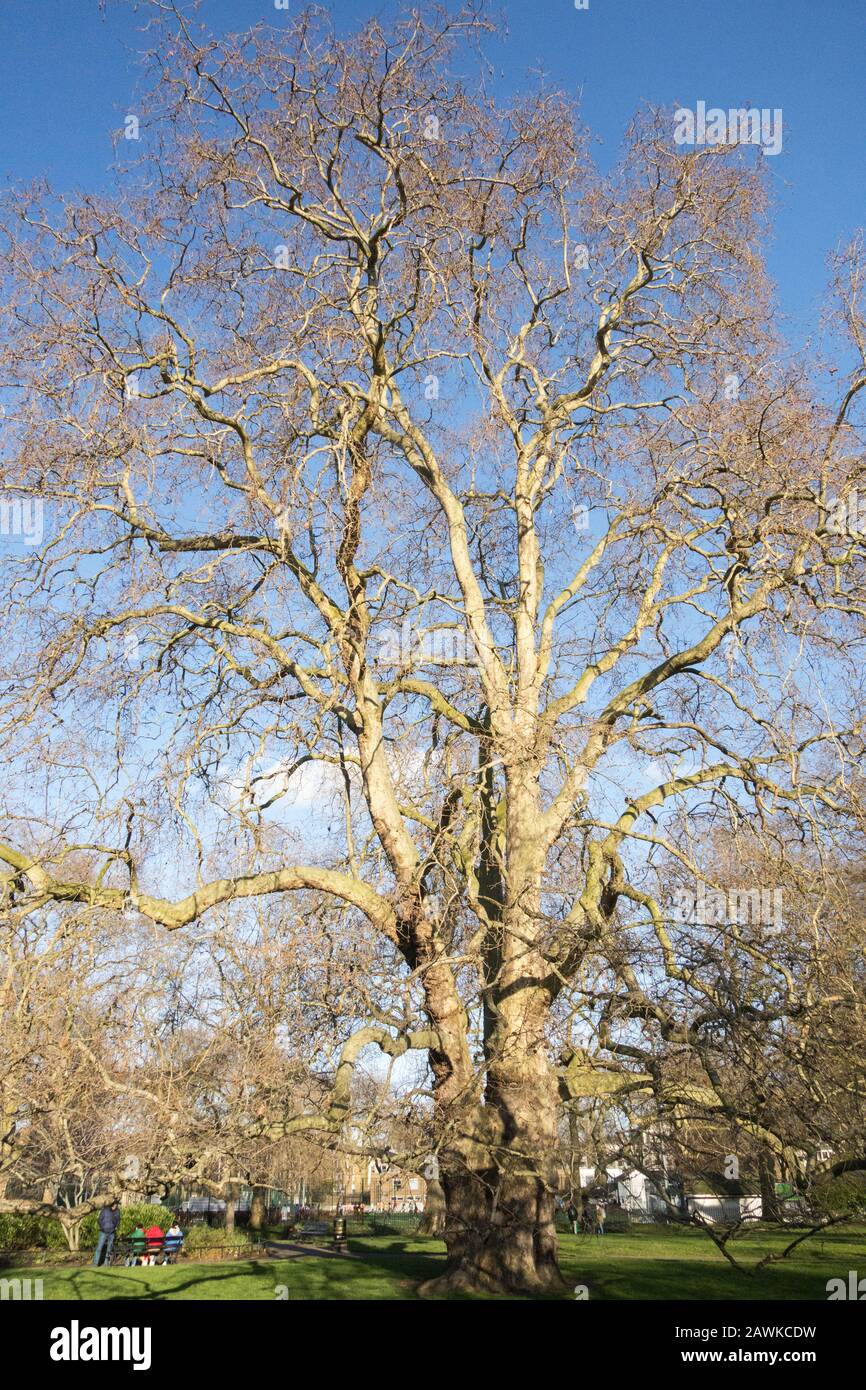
(258, 1208)
(500, 1237)
(71, 1227)
(231, 1206)
(499, 1181)
(433, 1223)
(499, 1214)
(770, 1205)
(499, 1178)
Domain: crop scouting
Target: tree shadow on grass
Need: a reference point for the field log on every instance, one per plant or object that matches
(643, 1280)
(294, 1250)
(133, 1291)
(410, 1266)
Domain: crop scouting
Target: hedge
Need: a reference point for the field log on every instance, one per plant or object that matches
(46, 1232)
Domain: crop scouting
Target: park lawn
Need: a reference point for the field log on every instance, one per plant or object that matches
(647, 1263)
(309, 1278)
(653, 1262)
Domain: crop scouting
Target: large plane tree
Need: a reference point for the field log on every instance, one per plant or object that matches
(381, 455)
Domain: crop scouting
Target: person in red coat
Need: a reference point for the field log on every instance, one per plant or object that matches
(154, 1238)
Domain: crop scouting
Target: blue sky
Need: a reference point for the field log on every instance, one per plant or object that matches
(69, 76)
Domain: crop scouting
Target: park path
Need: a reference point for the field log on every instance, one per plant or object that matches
(294, 1250)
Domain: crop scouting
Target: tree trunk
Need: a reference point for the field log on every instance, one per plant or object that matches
(71, 1227)
(770, 1205)
(500, 1236)
(258, 1208)
(231, 1204)
(499, 1197)
(433, 1222)
(499, 1173)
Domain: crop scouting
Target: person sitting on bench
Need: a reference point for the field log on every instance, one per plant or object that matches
(154, 1238)
(137, 1245)
(173, 1243)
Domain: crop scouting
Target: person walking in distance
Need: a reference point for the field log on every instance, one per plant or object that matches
(599, 1218)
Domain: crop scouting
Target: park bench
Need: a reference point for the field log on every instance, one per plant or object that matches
(123, 1250)
(314, 1228)
(336, 1230)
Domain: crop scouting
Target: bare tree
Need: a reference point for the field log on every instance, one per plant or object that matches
(394, 458)
(71, 1117)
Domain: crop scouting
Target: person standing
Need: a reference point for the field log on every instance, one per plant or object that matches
(574, 1217)
(108, 1222)
(599, 1218)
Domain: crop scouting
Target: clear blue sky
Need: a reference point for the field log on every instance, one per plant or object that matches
(69, 76)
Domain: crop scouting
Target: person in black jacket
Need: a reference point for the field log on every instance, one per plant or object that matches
(109, 1220)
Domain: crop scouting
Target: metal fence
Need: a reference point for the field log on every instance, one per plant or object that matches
(375, 1222)
(721, 1211)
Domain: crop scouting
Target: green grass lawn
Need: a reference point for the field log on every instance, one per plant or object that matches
(664, 1263)
(647, 1263)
